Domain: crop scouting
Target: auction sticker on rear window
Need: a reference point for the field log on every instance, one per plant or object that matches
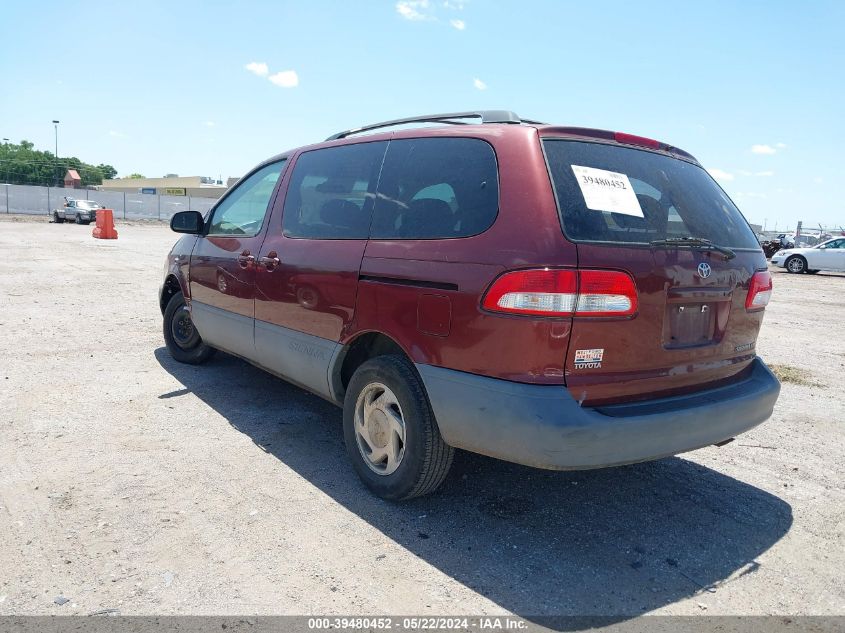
(607, 191)
(588, 358)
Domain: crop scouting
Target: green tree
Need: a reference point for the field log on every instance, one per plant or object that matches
(108, 171)
(22, 164)
(135, 176)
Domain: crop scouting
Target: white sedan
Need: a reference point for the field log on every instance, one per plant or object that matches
(829, 255)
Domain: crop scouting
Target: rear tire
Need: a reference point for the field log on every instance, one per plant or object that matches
(181, 337)
(796, 264)
(390, 431)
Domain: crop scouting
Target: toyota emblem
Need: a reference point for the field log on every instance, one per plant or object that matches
(704, 270)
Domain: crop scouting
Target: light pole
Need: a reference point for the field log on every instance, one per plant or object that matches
(6, 142)
(56, 155)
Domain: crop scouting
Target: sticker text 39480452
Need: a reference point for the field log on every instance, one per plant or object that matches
(607, 191)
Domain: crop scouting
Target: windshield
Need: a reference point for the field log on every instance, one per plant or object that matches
(87, 204)
(608, 193)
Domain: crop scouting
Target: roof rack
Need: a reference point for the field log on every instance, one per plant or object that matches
(486, 116)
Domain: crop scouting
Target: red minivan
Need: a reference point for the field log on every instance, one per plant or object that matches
(560, 297)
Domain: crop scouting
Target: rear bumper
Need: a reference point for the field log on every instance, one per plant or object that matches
(543, 426)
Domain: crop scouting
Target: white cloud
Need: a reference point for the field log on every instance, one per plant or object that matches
(258, 68)
(765, 173)
(720, 174)
(818, 180)
(209, 123)
(285, 79)
(458, 24)
(780, 145)
(480, 85)
(116, 134)
(413, 9)
(457, 6)
(763, 149)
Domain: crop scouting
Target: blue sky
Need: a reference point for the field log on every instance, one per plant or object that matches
(755, 90)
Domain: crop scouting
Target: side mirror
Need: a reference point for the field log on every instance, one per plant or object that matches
(187, 222)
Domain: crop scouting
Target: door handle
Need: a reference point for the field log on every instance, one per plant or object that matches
(269, 261)
(245, 259)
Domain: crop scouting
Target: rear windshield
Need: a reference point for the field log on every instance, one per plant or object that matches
(608, 193)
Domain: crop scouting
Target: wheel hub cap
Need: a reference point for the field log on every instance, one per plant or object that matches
(377, 428)
(380, 429)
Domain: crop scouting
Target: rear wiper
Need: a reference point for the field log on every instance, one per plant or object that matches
(695, 242)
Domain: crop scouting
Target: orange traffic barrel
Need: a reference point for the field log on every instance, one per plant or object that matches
(105, 225)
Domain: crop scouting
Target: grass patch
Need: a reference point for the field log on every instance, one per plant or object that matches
(794, 375)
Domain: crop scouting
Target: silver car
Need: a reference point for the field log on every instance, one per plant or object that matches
(79, 211)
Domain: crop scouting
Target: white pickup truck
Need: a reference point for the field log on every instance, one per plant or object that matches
(79, 211)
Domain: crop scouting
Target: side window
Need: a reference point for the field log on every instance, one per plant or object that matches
(436, 188)
(442, 191)
(242, 211)
(331, 192)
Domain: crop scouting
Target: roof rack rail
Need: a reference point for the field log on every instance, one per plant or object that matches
(486, 116)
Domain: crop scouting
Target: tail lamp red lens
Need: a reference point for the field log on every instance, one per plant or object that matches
(759, 291)
(557, 293)
(633, 139)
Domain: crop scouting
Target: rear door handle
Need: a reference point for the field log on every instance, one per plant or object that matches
(269, 261)
(245, 259)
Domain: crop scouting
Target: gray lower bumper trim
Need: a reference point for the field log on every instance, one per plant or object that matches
(544, 426)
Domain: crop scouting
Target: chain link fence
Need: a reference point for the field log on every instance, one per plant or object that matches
(30, 200)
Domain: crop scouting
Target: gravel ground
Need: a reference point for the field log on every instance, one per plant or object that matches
(130, 482)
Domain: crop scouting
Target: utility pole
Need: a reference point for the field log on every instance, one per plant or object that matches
(56, 155)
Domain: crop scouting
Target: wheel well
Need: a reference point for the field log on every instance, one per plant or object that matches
(358, 352)
(170, 288)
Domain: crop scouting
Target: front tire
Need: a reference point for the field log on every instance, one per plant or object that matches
(390, 431)
(57, 219)
(181, 337)
(796, 264)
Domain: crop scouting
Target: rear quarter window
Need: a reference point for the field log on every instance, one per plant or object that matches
(674, 198)
(436, 188)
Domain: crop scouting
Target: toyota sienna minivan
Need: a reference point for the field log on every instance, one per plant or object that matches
(561, 297)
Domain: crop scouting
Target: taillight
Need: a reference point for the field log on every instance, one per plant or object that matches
(556, 292)
(759, 291)
(633, 139)
(606, 293)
